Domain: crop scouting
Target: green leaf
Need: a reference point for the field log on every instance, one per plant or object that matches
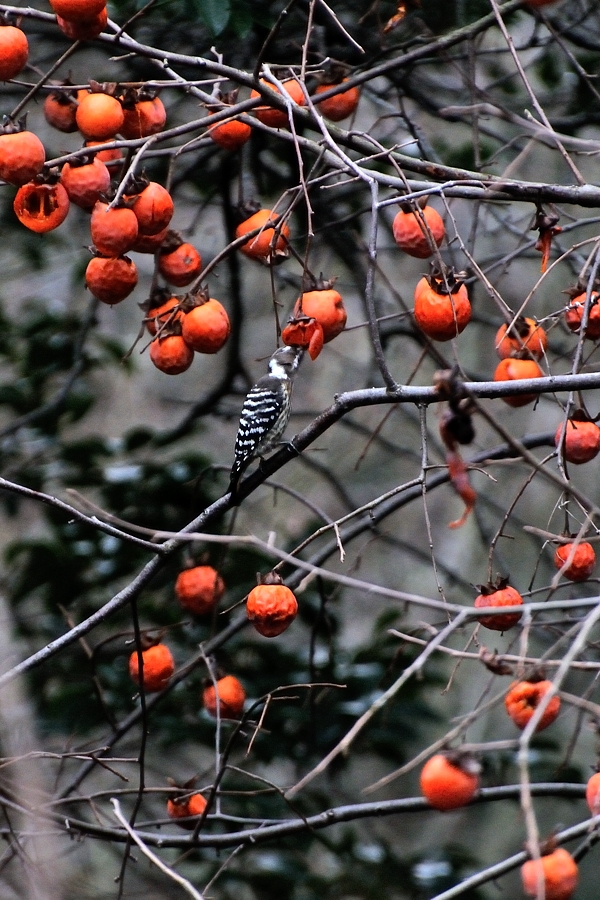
(216, 14)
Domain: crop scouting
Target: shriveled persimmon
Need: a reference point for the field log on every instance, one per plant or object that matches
(114, 230)
(178, 262)
(498, 594)
(111, 279)
(579, 558)
(84, 181)
(199, 589)
(524, 697)
(153, 208)
(60, 109)
(271, 606)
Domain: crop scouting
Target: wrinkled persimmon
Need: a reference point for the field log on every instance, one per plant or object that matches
(114, 231)
(111, 279)
(199, 589)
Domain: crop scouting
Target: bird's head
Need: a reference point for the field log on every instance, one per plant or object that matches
(285, 361)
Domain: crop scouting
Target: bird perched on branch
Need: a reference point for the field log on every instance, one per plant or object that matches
(266, 411)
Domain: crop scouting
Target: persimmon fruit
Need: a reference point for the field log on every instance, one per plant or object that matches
(581, 441)
(271, 241)
(143, 117)
(326, 306)
(304, 331)
(230, 135)
(206, 327)
(178, 262)
(449, 780)
(153, 208)
(99, 116)
(14, 51)
(85, 181)
(60, 109)
(199, 589)
(525, 334)
(41, 206)
(524, 697)
(574, 315)
(230, 696)
(557, 870)
(497, 596)
(114, 231)
(22, 156)
(582, 560)
(278, 118)
(111, 279)
(158, 666)
(418, 233)
(271, 606)
(510, 369)
(105, 156)
(86, 29)
(163, 313)
(592, 794)
(339, 106)
(171, 354)
(77, 10)
(442, 308)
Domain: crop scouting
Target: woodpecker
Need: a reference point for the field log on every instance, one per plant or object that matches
(266, 411)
